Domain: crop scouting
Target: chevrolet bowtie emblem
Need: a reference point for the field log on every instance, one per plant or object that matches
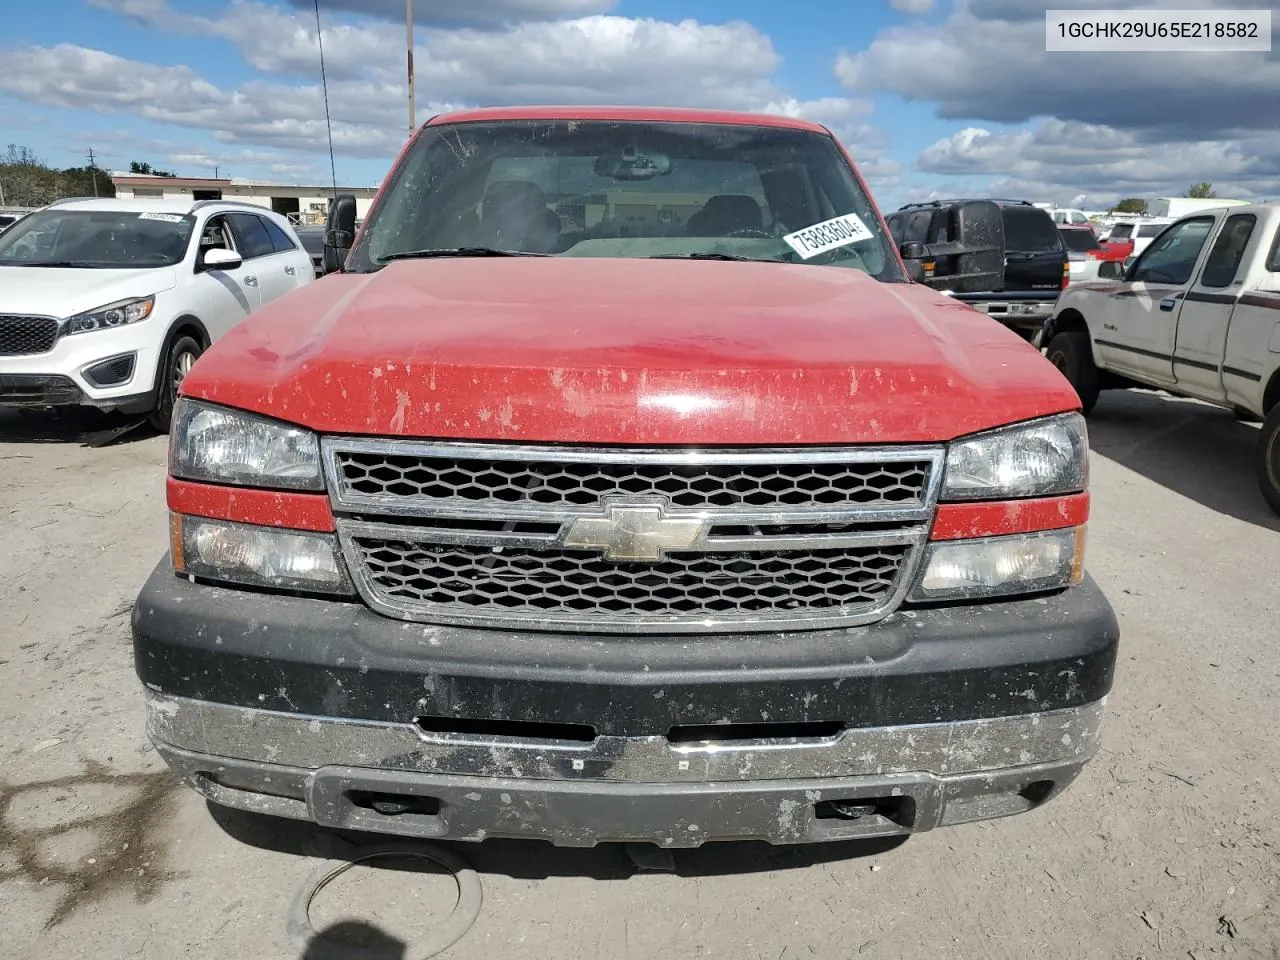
(634, 532)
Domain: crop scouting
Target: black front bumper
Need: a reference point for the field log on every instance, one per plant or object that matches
(328, 712)
(341, 660)
(31, 390)
(39, 391)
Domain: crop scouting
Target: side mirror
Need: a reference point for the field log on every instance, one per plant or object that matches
(220, 258)
(979, 228)
(913, 254)
(339, 231)
(974, 259)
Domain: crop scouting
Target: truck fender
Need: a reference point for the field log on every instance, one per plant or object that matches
(1271, 394)
(1067, 319)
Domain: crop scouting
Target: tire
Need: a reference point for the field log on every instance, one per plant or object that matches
(1268, 459)
(1072, 354)
(182, 353)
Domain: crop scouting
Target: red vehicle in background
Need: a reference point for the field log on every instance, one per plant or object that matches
(1090, 258)
(1117, 249)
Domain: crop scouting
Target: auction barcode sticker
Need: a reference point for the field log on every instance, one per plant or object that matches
(166, 217)
(821, 237)
(1158, 31)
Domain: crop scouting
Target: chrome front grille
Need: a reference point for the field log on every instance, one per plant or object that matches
(23, 335)
(616, 540)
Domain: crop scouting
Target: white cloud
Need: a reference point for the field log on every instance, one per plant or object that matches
(845, 117)
(1102, 123)
(589, 59)
(602, 59)
(1059, 160)
(952, 64)
(915, 8)
(425, 12)
(598, 59)
(191, 160)
(457, 12)
(367, 116)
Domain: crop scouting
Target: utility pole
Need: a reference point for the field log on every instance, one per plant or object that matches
(408, 30)
(93, 171)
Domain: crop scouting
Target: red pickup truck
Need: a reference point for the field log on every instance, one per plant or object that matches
(617, 484)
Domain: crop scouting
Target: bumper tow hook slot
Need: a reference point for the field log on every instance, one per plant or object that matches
(390, 808)
(848, 810)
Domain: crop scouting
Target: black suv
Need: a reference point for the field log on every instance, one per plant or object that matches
(1036, 263)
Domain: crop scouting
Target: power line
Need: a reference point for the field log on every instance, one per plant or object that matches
(93, 171)
(324, 83)
(408, 29)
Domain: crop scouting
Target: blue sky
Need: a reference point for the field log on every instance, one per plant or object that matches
(948, 96)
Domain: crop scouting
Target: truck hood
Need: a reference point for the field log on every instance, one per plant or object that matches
(618, 351)
(57, 292)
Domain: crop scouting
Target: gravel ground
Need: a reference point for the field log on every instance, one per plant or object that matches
(1166, 846)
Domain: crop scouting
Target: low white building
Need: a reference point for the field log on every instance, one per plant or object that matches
(303, 205)
(1175, 207)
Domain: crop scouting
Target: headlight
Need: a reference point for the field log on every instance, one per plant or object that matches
(219, 445)
(258, 556)
(1000, 566)
(112, 315)
(1043, 458)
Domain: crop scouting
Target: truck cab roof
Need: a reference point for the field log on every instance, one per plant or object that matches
(999, 202)
(638, 113)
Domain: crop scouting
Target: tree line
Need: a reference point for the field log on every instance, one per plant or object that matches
(26, 180)
(1201, 191)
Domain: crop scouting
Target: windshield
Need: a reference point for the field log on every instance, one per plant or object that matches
(594, 188)
(96, 239)
(1078, 241)
(1028, 230)
(1151, 229)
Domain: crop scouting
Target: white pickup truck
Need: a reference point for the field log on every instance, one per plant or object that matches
(1197, 314)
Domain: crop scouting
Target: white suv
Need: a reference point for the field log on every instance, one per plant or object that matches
(1140, 231)
(1069, 216)
(108, 303)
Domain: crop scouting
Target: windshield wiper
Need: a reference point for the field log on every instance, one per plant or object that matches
(711, 256)
(459, 252)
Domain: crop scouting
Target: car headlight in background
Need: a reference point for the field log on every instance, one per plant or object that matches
(257, 556)
(219, 445)
(1000, 566)
(1042, 458)
(117, 314)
